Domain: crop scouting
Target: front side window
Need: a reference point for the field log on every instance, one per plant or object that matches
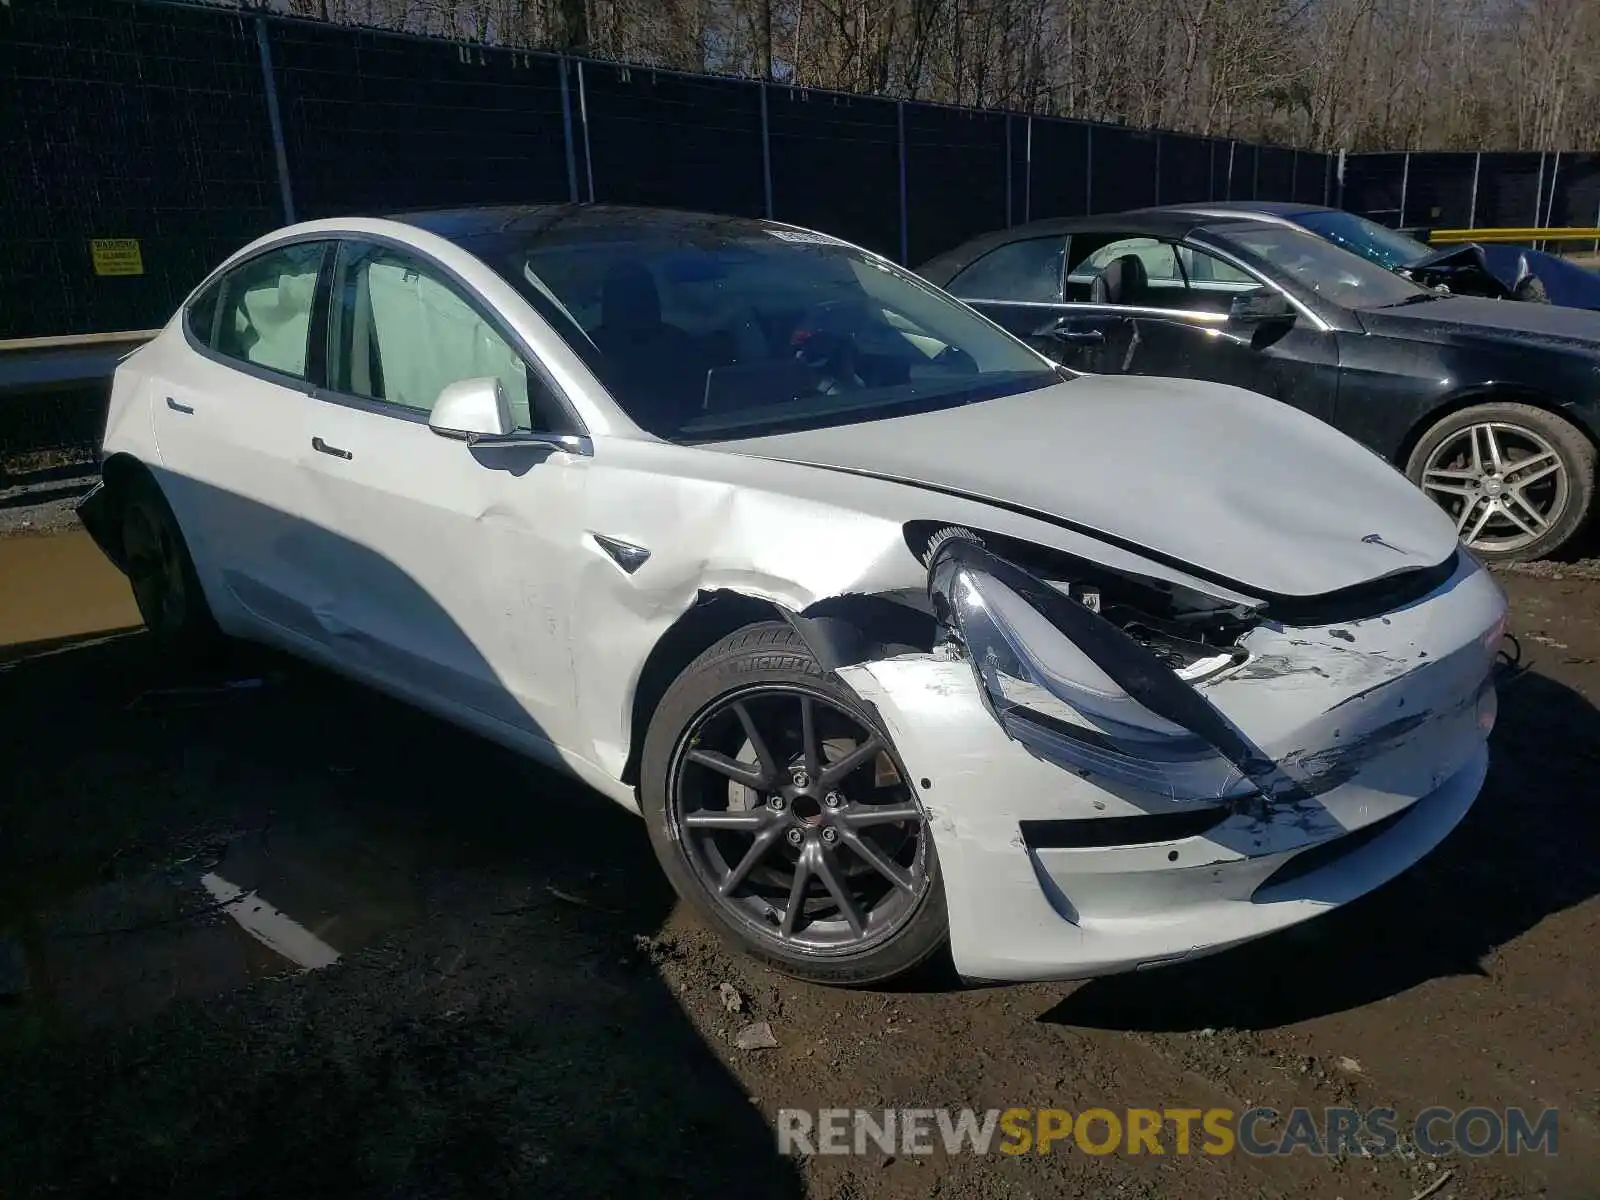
(742, 330)
(1025, 270)
(400, 332)
(260, 311)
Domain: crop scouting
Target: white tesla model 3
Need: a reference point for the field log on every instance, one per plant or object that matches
(895, 635)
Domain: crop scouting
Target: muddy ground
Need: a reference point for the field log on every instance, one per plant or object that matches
(519, 1008)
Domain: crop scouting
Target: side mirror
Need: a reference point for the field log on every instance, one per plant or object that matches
(476, 411)
(471, 409)
(1260, 306)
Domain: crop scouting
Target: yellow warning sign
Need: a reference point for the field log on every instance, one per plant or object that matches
(116, 256)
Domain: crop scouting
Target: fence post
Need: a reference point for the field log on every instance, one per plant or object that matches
(766, 153)
(275, 120)
(1027, 172)
(905, 236)
(1472, 204)
(1340, 179)
(1550, 201)
(583, 116)
(566, 126)
(1010, 182)
(1227, 190)
(1405, 182)
(1088, 168)
(1538, 195)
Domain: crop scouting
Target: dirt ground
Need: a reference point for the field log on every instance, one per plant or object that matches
(519, 1008)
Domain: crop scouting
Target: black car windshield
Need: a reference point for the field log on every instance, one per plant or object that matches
(1319, 266)
(1386, 247)
(710, 334)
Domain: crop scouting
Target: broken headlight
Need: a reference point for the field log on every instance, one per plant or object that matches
(1084, 692)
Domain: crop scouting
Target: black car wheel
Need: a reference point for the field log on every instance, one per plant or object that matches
(161, 572)
(779, 808)
(1518, 481)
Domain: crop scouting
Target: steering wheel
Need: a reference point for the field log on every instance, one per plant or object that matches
(824, 339)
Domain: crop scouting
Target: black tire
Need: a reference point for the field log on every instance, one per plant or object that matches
(1535, 518)
(764, 664)
(161, 572)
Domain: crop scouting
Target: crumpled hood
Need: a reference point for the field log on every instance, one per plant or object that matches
(1565, 283)
(1206, 475)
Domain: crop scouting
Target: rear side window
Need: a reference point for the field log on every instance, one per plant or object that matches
(260, 312)
(1026, 270)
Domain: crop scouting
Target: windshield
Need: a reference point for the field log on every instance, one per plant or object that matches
(1318, 266)
(1384, 246)
(702, 336)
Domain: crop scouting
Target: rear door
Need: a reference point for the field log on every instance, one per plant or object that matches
(230, 408)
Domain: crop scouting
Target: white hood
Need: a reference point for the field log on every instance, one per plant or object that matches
(1216, 477)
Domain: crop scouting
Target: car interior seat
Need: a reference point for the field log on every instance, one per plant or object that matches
(1123, 280)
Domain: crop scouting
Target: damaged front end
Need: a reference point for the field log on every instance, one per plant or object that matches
(1123, 770)
(1089, 679)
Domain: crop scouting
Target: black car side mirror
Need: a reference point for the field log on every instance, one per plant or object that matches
(1260, 306)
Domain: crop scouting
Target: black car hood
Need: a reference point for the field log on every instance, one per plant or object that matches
(1451, 318)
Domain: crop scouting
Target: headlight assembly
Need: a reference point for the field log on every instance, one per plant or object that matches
(1077, 690)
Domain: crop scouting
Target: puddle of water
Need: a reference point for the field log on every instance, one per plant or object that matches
(62, 586)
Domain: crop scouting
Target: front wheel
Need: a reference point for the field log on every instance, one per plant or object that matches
(780, 810)
(1517, 480)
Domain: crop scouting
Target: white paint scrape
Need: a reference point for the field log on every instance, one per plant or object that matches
(270, 927)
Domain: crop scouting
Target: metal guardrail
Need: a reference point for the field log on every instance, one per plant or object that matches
(1530, 234)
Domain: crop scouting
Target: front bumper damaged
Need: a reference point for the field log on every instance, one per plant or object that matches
(1164, 816)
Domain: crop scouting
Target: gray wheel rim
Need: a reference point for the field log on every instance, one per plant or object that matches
(1503, 484)
(798, 822)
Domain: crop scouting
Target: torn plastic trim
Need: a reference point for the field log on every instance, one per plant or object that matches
(841, 631)
(1078, 691)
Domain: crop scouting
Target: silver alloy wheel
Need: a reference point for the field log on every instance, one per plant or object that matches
(1503, 484)
(797, 821)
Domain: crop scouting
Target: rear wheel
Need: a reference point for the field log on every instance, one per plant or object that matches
(1518, 481)
(779, 808)
(161, 572)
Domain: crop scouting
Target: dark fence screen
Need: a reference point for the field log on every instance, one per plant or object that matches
(1468, 190)
(1185, 168)
(375, 123)
(956, 166)
(1575, 197)
(673, 140)
(119, 123)
(836, 165)
(172, 135)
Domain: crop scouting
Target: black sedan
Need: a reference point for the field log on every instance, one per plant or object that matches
(1501, 272)
(1492, 408)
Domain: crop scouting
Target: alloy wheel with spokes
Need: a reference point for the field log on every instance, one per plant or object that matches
(1517, 480)
(796, 818)
(1503, 484)
(779, 807)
